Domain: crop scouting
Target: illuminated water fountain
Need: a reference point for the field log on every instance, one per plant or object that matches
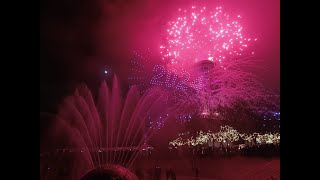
(92, 139)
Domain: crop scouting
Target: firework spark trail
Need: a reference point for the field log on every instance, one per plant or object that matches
(225, 87)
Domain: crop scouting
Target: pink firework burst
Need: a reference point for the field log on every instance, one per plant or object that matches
(201, 34)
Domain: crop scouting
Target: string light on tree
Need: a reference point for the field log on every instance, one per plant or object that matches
(226, 134)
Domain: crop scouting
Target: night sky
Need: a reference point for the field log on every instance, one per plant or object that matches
(79, 39)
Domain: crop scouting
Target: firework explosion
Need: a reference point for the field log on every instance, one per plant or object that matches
(199, 33)
(206, 53)
(204, 88)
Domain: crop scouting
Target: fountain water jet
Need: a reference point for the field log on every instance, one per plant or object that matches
(86, 135)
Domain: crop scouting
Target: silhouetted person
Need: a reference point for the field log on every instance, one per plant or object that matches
(197, 172)
(168, 174)
(173, 175)
(193, 163)
(157, 171)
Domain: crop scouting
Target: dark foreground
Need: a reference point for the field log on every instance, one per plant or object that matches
(224, 168)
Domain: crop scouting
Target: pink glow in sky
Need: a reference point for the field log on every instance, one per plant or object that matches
(101, 34)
